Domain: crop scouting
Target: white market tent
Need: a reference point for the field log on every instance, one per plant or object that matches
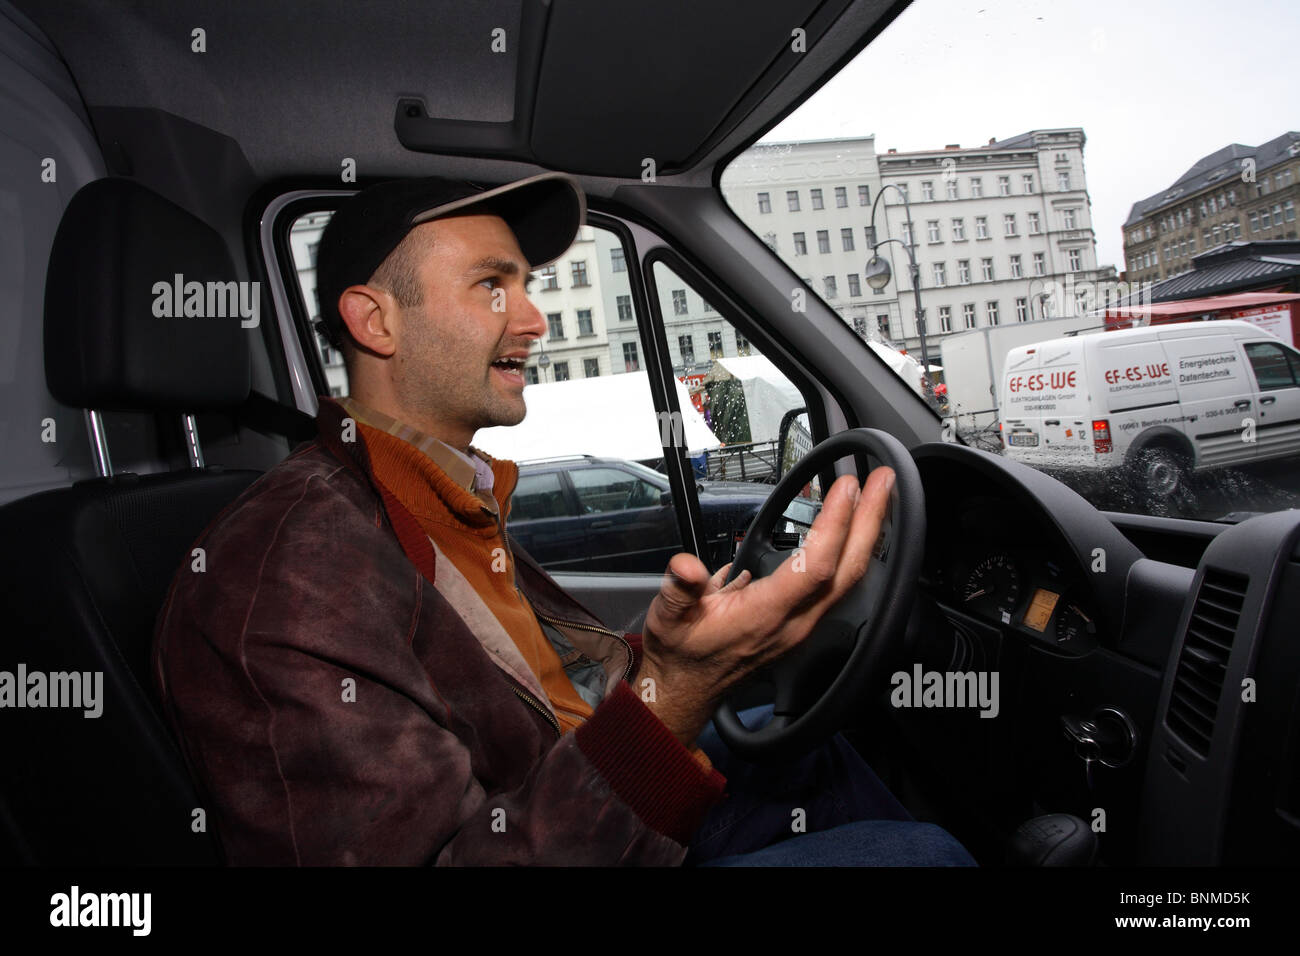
(768, 393)
(591, 416)
(906, 367)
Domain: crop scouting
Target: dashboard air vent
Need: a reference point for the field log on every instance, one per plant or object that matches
(1203, 663)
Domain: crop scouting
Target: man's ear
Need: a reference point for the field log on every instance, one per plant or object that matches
(369, 314)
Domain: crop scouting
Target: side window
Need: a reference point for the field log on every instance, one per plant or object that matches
(743, 399)
(1272, 370)
(538, 496)
(608, 489)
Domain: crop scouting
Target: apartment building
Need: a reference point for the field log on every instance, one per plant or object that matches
(1237, 193)
(1001, 232)
(811, 202)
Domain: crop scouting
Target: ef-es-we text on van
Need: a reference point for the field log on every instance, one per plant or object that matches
(1159, 402)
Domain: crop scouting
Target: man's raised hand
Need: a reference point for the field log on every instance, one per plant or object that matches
(701, 637)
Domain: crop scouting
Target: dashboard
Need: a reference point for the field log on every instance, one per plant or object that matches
(989, 558)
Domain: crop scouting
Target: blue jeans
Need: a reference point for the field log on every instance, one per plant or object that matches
(848, 816)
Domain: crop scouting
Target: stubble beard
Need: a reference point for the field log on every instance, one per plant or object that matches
(439, 379)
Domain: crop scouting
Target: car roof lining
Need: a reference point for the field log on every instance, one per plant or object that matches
(692, 83)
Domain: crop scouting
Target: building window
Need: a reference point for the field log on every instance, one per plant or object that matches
(591, 368)
(555, 325)
(764, 202)
(968, 314)
(679, 301)
(882, 324)
(709, 308)
(816, 195)
(855, 285)
(630, 362)
(1009, 224)
(831, 291)
(841, 197)
(932, 229)
(940, 275)
(864, 196)
(770, 240)
(1068, 217)
(742, 343)
(1288, 209)
(687, 349)
(823, 241)
(945, 318)
(1063, 179)
(991, 310)
(561, 371)
(846, 238)
(986, 269)
(1016, 271)
(792, 200)
(617, 262)
(530, 374)
(976, 187)
(958, 230)
(1028, 180)
(311, 253)
(624, 307)
(1004, 185)
(981, 227)
(1040, 264)
(579, 270)
(715, 345)
(1264, 221)
(907, 233)
(952, 189)
(963, 271)
(927, 190)
(1034, 227)
(800, 246)
(549, 279)
(584, 323)
(1022, 310)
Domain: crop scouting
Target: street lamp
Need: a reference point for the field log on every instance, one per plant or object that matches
(543, 361)
(878, 272)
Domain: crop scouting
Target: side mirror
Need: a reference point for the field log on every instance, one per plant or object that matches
(665, 498)
(795, 440)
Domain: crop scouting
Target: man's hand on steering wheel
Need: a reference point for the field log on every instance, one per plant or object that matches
(702, 637)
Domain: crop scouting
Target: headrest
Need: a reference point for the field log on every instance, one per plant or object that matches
(143, 308)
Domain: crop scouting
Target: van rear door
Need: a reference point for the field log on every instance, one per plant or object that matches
(1045, 405)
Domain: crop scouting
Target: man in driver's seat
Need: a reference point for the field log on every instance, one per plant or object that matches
(366, 671)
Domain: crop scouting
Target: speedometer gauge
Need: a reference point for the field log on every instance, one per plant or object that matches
(994, 585)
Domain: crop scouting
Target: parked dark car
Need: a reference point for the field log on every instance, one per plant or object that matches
(607, 514)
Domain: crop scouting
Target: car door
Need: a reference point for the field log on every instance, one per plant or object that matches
(545, 520)
(1276, 368)
(628, 528)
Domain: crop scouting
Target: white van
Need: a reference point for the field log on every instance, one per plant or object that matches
(1159, 401)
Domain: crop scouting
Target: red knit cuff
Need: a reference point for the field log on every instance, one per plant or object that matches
(647, 766)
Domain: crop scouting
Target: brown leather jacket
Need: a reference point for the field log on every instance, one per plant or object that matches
(334, 708)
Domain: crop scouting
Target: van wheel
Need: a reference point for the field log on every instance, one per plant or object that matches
(1161, 473)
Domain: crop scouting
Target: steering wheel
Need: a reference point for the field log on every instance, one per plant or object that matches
(850, 645)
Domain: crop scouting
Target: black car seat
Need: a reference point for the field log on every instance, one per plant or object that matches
(87, 568)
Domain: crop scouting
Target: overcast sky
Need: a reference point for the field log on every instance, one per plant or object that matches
(1154, 85)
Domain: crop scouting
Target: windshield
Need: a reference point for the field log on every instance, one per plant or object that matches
(1069, 234)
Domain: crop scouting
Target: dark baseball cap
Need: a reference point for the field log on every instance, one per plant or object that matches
(544, 212)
